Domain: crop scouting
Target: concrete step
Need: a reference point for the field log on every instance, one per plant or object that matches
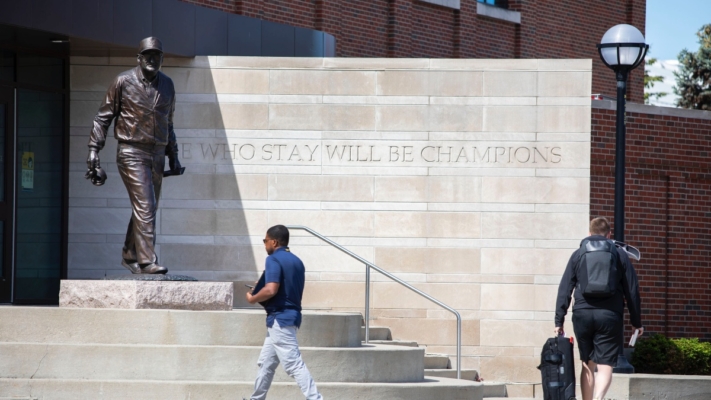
(491, 389)
(523, 390)
(170, 327)
(395, 343)
(376, 333)
(468, 374)
(51, 389)
(494, 389)
(437, 361)
(371, 363)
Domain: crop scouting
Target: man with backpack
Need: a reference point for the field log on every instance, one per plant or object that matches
(603, 277)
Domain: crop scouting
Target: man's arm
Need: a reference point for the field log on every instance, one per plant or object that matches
(269, 291)
(272, 277)
(565, 289)
(108, 110)
(171, 150)
(630, 288)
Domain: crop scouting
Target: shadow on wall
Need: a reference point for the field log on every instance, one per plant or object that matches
(202, 227)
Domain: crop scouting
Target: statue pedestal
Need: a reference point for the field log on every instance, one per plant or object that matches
(146, 294)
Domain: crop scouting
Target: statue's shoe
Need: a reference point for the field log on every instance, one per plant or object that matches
(131, 266)
(153, 268)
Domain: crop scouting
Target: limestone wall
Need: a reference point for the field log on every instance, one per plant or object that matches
(467, 178)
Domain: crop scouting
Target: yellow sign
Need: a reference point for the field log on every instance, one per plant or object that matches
(28, 170)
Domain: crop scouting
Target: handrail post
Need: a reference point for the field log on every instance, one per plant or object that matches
(459, 346)
(367, 303)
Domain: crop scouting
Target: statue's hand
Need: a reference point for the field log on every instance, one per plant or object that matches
(173, 162)
(93, 161)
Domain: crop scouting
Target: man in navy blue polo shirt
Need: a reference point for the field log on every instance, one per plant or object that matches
(280, 294)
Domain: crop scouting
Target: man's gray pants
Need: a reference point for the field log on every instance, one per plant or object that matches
(281, 345)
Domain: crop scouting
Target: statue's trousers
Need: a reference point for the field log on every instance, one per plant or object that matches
(141, 169)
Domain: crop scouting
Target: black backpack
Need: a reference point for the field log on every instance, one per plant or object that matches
(597, 271)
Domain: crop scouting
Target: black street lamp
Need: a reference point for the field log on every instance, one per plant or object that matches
(622, 49)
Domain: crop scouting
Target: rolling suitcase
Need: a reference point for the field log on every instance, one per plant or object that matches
(557, 369)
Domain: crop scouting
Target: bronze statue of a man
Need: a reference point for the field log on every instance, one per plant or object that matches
(141, 101)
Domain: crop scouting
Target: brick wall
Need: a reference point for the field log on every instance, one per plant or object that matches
(667, 217)
(502, 37)
(412, 28)
(364, 32)
(465, 30)
(571, 29)
(432, 31)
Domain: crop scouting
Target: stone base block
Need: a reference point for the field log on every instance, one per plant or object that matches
(650, 387)
(146, 294)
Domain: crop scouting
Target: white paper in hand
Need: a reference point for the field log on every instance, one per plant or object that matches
(633, 340)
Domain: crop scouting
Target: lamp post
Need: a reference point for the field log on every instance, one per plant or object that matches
(622, 49)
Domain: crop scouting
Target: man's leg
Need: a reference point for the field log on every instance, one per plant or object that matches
(135, 168)
(583, 325)
(587, 380)
(608, 326)
(267, 363)
(157, 175)
(287, 349)
(129, 248)
(603, 379)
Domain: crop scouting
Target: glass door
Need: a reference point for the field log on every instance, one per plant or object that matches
(38, 200)
(33, 171)
(7, 129)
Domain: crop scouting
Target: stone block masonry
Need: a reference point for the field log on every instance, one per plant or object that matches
(437, 170)
(135, 294)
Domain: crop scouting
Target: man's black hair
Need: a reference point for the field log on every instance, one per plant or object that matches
(280, 233)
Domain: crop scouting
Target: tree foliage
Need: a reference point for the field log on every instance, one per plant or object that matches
(649, 81)
(693, 79)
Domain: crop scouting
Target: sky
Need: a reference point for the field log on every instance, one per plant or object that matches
(671, 26)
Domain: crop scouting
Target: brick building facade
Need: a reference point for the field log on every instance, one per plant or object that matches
(667, 209)
(669, 172)
(417, 28)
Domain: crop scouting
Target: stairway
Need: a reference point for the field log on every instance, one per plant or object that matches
(49, 353)
(440, 365)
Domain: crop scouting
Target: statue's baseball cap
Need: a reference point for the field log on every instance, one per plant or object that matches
(150, 43)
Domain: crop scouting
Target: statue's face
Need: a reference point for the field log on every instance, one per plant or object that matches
(150, 62)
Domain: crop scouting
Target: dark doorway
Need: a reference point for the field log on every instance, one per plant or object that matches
(38, 200)
(33, 169)
(7, 127)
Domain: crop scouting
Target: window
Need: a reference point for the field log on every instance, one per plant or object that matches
(496, 3)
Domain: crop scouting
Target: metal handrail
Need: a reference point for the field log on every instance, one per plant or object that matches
(370, 265)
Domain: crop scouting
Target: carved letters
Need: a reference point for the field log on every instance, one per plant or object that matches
(353, 152)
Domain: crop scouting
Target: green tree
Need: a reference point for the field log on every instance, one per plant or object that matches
(693, 79)
(649, 81)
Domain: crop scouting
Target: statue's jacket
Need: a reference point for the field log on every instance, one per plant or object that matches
(143, 111)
